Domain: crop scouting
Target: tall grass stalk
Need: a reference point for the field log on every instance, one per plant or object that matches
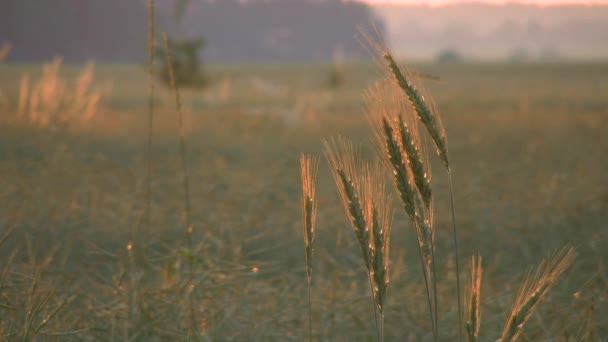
(309, 166)
(186, 183)
(150, 71)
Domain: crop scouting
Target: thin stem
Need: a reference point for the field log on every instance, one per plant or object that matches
(428, 292)
(150, 113)
(182, 150)
(434, 286)
(309, 310)
(371, 288)
(457, 256)
(381, 326)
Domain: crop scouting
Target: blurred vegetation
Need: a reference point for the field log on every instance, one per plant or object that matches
(4, 51)
(187, 63)
(449, 55)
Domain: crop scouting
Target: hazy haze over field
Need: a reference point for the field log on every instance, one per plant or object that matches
(485, 31)
(305, 30)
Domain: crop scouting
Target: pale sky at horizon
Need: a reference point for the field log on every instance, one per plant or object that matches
(539, 2)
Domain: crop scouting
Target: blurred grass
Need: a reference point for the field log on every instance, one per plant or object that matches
(528, 147)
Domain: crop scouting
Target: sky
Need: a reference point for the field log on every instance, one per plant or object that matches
(539, 2)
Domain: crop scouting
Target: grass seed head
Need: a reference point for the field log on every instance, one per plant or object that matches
(309, 167)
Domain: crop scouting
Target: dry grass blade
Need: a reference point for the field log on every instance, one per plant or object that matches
(473, 295)
(534, 289)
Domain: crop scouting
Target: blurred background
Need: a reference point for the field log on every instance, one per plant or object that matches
(307, 30)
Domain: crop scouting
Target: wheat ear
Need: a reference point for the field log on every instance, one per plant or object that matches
(381, 115)
(353, 187)
(343, 160)
(533, 290)
(380, 213)
(309, 166)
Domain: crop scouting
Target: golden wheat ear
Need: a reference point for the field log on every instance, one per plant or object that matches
(384, 107)
(533, 290)
(361, 189)
(412, 87)
(347, 170)
(380, 214)
(425, 109)
(308, 167)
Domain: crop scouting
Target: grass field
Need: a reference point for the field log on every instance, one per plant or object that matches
(528, 147)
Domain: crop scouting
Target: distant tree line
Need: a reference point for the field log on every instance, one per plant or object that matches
(234, 31)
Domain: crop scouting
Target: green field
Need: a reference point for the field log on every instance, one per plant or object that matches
(528, 146)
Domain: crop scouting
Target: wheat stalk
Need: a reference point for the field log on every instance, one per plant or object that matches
(309, 167)
(473, 295)
(357, 183)
(346, 168)
(379, 210)
(427, 114)
(382, 114)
